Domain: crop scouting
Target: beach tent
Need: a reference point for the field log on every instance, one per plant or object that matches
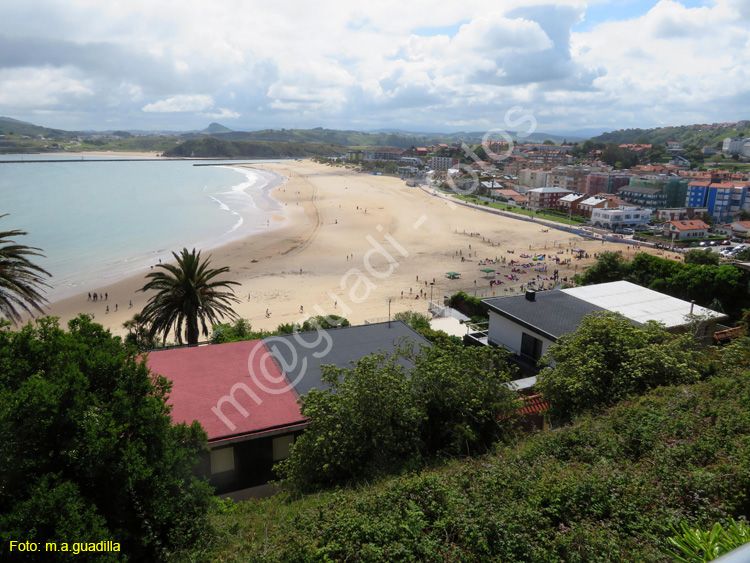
(487, 271)
(452, 275)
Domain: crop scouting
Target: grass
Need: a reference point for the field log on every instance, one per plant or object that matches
(520, 211)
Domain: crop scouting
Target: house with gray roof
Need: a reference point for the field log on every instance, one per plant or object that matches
(527, 325)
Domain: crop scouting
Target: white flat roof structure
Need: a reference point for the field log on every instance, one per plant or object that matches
(452, 326)
(641, 304)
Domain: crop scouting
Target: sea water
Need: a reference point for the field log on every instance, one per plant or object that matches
(99, 220)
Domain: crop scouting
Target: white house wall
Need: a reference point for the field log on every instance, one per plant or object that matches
(504, 332)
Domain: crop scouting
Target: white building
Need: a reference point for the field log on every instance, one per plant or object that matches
(736, 146)
(616, 218)
(443, 162)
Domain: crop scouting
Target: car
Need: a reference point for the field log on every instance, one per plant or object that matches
(627, 231)
(713, 243)
(703, 243)
(726, 242)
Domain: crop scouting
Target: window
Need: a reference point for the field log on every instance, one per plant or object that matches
(281, 447)
(222, 460)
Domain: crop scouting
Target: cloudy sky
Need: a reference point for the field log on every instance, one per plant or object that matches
(414, 65)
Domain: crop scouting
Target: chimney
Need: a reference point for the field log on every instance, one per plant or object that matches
(530, 295)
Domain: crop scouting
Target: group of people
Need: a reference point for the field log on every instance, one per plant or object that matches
(95, 297)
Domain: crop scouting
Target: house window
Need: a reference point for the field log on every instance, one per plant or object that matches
(222, 460)
(531, 347)
(281, 447)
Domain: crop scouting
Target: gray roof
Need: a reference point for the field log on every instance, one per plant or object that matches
(639, 190)
(551, 314)
(301, 355)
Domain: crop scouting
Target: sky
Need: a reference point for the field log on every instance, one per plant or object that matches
(555, 66)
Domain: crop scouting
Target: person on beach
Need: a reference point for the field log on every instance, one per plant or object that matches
(107, 313)
(130, 304)
(89, 296)
(301, 309)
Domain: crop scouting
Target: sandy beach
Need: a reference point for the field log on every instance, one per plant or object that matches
(352, 242)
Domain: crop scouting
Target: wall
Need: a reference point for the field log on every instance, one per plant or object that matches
(504, 332)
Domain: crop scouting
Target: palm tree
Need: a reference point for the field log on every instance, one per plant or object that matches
(187, 294)
(20, 279)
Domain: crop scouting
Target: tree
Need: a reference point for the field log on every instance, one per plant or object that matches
(743, 215)
(609, 359)
(415, 320)
(365, 424)
(610, 266)
(139, 333)
(377, 417)
(21, 281)
(187, 294)
(89, 449)
(464, 394)
(702, 257)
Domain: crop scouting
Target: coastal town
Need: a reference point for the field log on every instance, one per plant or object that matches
(372, 282)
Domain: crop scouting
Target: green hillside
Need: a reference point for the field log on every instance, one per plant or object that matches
(213, 147)
(605, 489)
(14, 127)
(685, 135)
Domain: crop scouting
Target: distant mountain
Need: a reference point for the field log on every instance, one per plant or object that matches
(215, 128)
(686, 135)
(213, 147)
(475, 137)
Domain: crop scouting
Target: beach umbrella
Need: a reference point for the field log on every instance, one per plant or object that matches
(452, 275)
(487, 271)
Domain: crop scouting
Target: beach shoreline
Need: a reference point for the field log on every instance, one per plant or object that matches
(357, 245)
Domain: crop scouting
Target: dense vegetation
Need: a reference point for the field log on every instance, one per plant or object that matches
(608, 488)
(212, 147)
(377, 417)
(684, 135)
(609, 359)
(89, 452)
(722, 288)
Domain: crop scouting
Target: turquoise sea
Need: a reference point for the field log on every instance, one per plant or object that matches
(97, 220)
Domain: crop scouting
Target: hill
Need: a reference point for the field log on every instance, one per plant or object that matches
(14, 127)
(686, 135)
(607, 489)
(215, 147)
(216, 128)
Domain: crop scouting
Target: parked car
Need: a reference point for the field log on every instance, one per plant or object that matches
(726, 242)
(627, 231)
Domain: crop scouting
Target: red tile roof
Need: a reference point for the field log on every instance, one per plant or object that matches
(533, 404)
(203, 393)
(694, 225)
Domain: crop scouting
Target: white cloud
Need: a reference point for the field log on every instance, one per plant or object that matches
(181, 103)
(41, 87)
(334, 63)
(223, 113)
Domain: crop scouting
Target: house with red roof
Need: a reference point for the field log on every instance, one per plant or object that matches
(246, 394)
(685, 230)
